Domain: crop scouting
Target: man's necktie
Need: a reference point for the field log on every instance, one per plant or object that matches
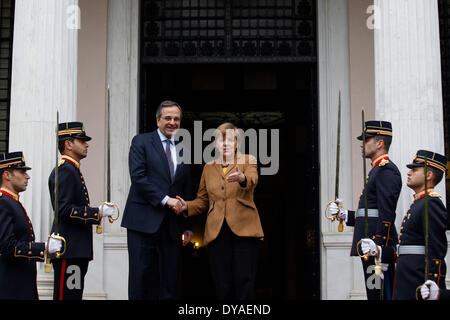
(169, 158)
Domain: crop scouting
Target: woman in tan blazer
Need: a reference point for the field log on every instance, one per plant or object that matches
(233, 229)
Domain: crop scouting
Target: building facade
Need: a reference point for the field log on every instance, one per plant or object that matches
(262, 64)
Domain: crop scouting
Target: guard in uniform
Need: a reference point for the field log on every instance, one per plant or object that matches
(410, 252)
(18, 250)
(383, 189)
(75, 215)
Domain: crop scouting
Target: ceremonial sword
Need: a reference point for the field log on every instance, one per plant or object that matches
(99, 228)
(426, 217)
(55, 234)
(336, 186)
(426, 226)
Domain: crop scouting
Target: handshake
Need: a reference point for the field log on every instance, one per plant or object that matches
(177, 204)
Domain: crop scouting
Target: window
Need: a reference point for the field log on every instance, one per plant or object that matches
(228, 31)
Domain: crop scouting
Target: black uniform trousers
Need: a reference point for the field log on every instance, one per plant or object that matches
(69, 278)
(376, 288)
(233, 262)
(153, 263)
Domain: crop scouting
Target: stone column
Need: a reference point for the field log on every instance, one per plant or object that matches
(44, 79)
(122, 78)
(408, 88)
(334, 75)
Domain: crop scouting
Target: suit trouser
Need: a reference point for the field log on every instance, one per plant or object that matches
(233, 261)
(69, 278)
(378, 289)
(153, 264)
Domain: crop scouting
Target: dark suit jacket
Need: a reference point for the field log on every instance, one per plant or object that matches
(18, 252)
(150, 183)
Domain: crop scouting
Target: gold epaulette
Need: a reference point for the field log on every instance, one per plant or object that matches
(61, 163)
(434, 195)
(383, 162)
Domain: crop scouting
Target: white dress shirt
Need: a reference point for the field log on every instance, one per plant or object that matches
(173, 151)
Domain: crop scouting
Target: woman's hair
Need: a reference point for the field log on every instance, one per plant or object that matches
(228, 128)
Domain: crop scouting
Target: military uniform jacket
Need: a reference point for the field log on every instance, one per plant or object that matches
(18, 251)
(410, 271)
(76, 217)
(383, 189)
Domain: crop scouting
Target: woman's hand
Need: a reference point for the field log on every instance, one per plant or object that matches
(237, 176)
(183, 205)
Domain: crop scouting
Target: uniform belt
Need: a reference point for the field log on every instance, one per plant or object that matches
(371, 213)
(410, 250)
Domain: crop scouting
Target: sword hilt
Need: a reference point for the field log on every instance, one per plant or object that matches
(378, 269)
(363, 256)
(48, 265)
(335, 217)
(111, 204)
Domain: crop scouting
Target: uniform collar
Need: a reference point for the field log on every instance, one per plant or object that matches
(72, 161)
(421, 194)
(10, 194)
(379, 159)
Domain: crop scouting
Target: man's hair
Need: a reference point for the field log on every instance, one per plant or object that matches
(166, 104)
(437, 175)
(1, 174)
(387, 141)
(62, 145)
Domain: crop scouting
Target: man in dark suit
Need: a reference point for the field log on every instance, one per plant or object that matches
(154, 231)
(383, 189)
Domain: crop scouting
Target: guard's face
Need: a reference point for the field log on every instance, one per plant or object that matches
(79, 148)
(18, 180)
(170, 120)
(416, 178)
(371, 147)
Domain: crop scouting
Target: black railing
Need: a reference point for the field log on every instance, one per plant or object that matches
(218, 31)
(6, 40)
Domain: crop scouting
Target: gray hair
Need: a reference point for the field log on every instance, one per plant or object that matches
(165, 104)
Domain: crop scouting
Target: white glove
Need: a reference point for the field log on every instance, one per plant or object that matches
(334, 209)
(367, 245)
(431, 293)
(108, 210)
(54, 245)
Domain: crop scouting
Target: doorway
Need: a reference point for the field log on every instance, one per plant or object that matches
(272, 96)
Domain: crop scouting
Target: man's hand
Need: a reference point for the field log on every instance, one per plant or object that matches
(367, 245)
(54, 245)
(183, 205)
(336, 208)
(187, 237)
(429, 290)
(175, 205)
(237, 176)
(107, 210)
